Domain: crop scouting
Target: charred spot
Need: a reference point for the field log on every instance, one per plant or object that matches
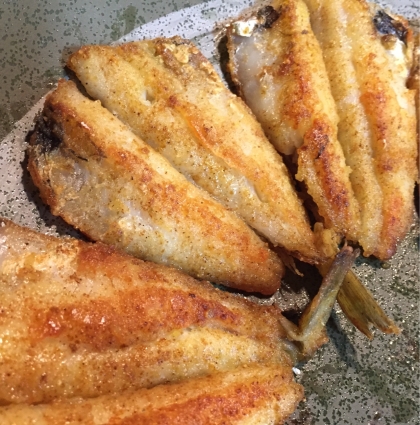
(46, 135)
(77, 156)
(387, 25)
(268, 15)
(320, 151)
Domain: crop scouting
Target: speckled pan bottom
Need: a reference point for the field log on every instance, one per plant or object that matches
(350, 380)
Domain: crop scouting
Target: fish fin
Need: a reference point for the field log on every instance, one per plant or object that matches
(362, 309)
(310, 334)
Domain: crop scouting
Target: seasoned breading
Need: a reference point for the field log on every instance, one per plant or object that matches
(81, 320)
(96, 174)
(89, 333)
(277, 65)
(257, 395)
(170, 95)
(368, 73)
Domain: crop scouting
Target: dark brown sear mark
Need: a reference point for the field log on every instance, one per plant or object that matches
(46, 135)
(268, 15)
(387, 25)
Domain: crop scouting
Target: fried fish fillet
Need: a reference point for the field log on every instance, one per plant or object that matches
(250, 395)
(277, 65)
(97, 175)
(368, 72)
(168, 93)
(83, 320)
(91, 334)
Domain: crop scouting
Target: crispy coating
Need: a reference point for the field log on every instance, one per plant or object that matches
(279, 70)
(83, 320)
(178, 104)
(368, 73)
(414, 77)
(257, 395)
(96, 174)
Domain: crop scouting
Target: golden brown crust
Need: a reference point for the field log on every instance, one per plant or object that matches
(393, 129)
(377, 118)
(205, 131)
(258, 395)
(161, 308)
(103, 322)
(393, 161)
(288, 76)
(115, 188)
(318, 160)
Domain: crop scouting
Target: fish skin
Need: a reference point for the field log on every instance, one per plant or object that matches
(83, 320)
(377, 124)
(178, 104)
(257, 395)
(286, 85)
(97, 175)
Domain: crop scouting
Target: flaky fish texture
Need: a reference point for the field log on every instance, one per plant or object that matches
(97, 175)
(368, 68)
(169, 94)
(83, 320)
(257, 395)
(277, 65)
